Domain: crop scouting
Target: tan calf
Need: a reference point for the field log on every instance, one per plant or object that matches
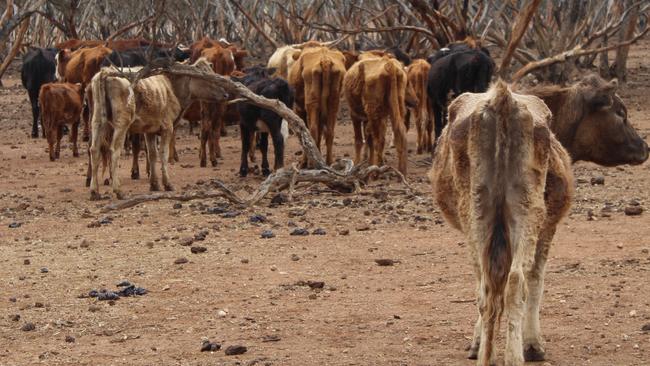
(500, 176)
(418, 75)
(61, 104)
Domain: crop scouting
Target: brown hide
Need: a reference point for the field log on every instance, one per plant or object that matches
(418, 74)
(61, 104)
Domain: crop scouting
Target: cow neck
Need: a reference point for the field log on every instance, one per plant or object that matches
(568, 103)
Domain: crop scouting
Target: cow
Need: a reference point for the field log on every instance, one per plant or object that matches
(417, 74)
(139, 56)
(254, 118)
(501, 177)
(376, 89)
(317, 78)
(79, 67)
(38, 69)
(117, 44)
(61, 104)
(591, 122)
(464, 71)
(238, 55)
(283, 58)
(149, 107)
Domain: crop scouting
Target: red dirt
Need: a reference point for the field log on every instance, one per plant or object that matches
(420, 311)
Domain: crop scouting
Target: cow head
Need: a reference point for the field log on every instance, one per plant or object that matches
(61, 60)
(604, 135)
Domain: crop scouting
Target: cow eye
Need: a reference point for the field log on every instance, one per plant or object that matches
(621, 113)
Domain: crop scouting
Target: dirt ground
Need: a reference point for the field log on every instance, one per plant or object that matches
(245, 290)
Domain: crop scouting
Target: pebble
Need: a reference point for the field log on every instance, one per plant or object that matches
(26, 262)
(344, 232)
(363, 228)
(319, 231)
(197, 250)
(299, 232)
(177, 206)
(257, 219)
(44, 270)
(181, 260)
(267, 234)
(201, 235)
(69, 339)
(295, 257)
(230, 214)
(221, 314)
(385, 262)
(236, 350)
(315, 284)
(84, 243)
(244, 260)
(633, 210)
(14, 317)
(646, 327)
(28, 327)
(15, 225)
(597, 180)
(208, 346)
(279, 199)
(185, 242)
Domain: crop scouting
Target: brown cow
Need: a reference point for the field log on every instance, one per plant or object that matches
(79, 67)
(418, 73)
(238, 55)
(500, 176)
(375, 89)
(116, 45)
(61, 104)
(590, 121)
(159, 100)
(317, 78)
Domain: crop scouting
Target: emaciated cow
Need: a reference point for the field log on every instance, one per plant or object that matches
(417, 73)
(317, 78)
(149, 107)
(591, 122)
(61, 104)
(254, 118)
(376, 89)
(38, 69)
(502, 178)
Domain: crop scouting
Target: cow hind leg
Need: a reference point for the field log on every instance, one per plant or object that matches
(152, 156)
(116, 150)
(165, 139)
(358, 139)
(532, 348)
(246, 142)
(278, 149)
(135, 148)
(35, 116)
(203, 141)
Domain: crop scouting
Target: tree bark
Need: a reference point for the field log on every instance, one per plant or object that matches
(626, 33)
(518, 31)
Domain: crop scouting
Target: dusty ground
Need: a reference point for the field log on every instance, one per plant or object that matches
(418, 312)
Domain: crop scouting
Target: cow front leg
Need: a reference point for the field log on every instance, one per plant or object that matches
(278, 149)
(533, 349)
(264, 148)
(35, 116)
(135, 148)
(94, 155)
(165, 139)
(152, 156)
(246, 142)
(203, 136)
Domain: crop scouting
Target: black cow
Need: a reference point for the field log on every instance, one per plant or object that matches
(458, 71)
(138, 56)
(38, 69)
(253, 118)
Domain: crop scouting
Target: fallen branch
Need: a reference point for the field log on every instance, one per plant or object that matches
(184, 197)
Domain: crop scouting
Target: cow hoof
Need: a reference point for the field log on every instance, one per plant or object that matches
(203, 164)
(75, 154)
(473, 353)
(107, 182)
(154, 187)
(34, 134)
(169, 187)
(94, 196)
(87, 182)
(266, 172)
(243, 173)
(534, 353)
(135, 175)
(214, 163)
(52, 158)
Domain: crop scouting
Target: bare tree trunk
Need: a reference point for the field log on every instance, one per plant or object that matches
(16, 47)
(518, 30)
(626, 33)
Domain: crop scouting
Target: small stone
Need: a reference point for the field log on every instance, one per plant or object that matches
(274, 268)
(313, 297)
(15, 225)
(201, 235)
(344, 232)
(236, 350)
(267, 234)
(12, 299)
(15, 317)
(299, 232)
(105, 220)
(280, 199)
(38, 305)
(619, 246)
(295, 257)
(385, 262)
(646, 327)
(632, 313)
(315, 284)
(208, 346)
(319, 231)
(257, 219)
(177, 206)
(244, 260)
(44, 270)
(230, 214)
(363, 228)
(221, 314)
(26, 262)
(186, 242)
(597, 180)
(84, 243)
(181, 260)
(197, 250)
(28, 327)
(69, 339)
(633, 210)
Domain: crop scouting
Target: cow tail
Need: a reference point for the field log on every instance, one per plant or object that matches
(326, 74)
(497, 255)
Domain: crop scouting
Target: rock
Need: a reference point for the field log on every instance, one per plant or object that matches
(221, 314)
(619, 246)
(84, 243)
(15, 225)
(312, 297)
(69, 339)
(299, 232)
(267, 234)
(295, 257)
(344, 232)
(12, 299)
(107, 296)
(244, 260)
(186, 242)
(216, 210)
(236, 350)
(14, 317)
(297, 212)
(646, 327)
(581, 180)
(177, 206)
(363, 228)
(230, 214)
(105, 220)
(44, 270)
(39, 305)
(270, 338)
(181, 260)
(28, 327)
(26, 262)
(315, 284)
(201, 235)
(279, 199)
(208, 346)
(633, 210)
(385, 262)
(319, 231)
(197, 250)
(598, 180)
(257, 219)
(347, 201)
